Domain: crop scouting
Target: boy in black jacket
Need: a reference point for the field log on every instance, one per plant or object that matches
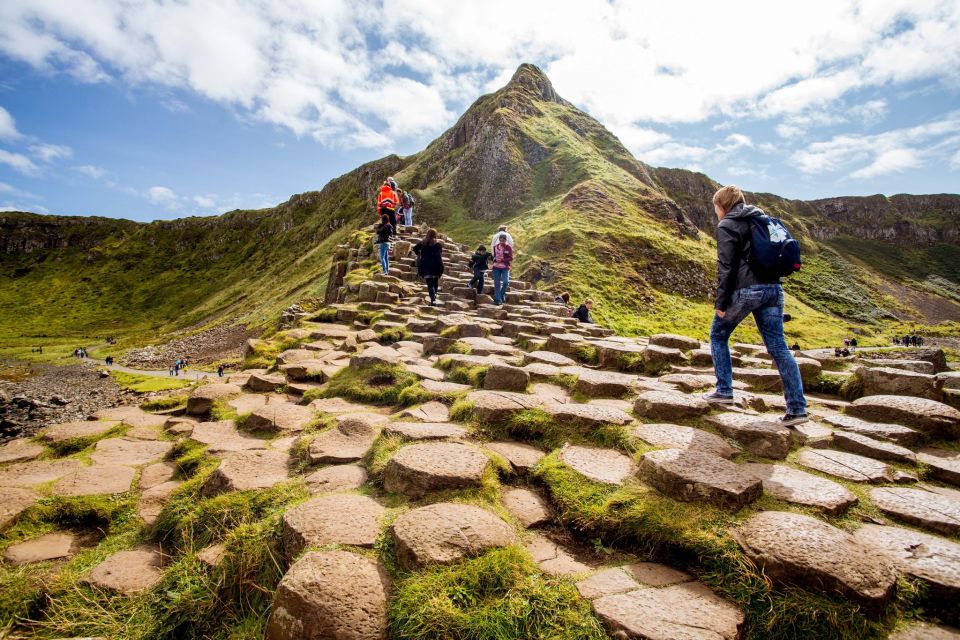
(479, 262)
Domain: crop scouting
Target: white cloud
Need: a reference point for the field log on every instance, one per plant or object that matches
(91, 171)
(8, 128)
(735, 140)
(18, 162)
(163, 196)
(955, 161)
(32, 208)
(788, 131)
(50, 152)
(206, 202)
(892, 161)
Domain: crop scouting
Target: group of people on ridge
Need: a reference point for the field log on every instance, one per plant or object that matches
(908, 341)
(180, 364)
(392, 203)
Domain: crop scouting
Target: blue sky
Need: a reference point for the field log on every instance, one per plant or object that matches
(151, 109)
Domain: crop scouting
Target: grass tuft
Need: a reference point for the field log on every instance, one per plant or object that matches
(378, 384)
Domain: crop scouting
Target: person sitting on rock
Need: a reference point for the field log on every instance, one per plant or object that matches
(583, 312)
(563, 298)
(384, 231)
(743, 290)
(430, 263)
(502, 260)
(479, 263)
(387, 202)
(501, 231)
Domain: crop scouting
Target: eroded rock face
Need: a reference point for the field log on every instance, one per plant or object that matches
(681, 437)
(526, 506)
(674, 341)
(420, 468)
(890, 381)
(13, 502)
(201, 400)
(499, 406)
(425, 430)
(82, 429)
(697, 476)
(933, 418)
(332, 595)
(248, 470)
(758, 435)
(129, 451)
(799, 549)
(522, 457)
(933, 511)
(899, 434)
(507, 378)
(26, 474)
(129, 572)
(445, 532)
(281, 417)
(587, 415)
(338, 477)
(95, 480)
(878, 449)
(848, 466)
(51, 546)
(669, 405)
(19, 450)
(606, 466)
(334, 519)
(944, 465)
(799, 487)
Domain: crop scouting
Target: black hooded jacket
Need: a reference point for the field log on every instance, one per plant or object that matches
(733, 254)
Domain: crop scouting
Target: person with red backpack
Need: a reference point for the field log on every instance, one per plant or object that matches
(754, 251)
(502, 260)
(388, 201)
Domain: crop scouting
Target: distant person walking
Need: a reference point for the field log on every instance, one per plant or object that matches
(430, 264)
(408, 201)
(502, 261)
(384, 231)
(220, 370)
(501, 231)
(583, 312)
(479, 263)
(388, 201)
(743, 289)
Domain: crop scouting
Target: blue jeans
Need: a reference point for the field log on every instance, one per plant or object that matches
(476, 282)
(501, 282)
(765, 302)
(385, 257)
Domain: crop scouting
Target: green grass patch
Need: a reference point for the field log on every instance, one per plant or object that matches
(394, 334)
(163, 403)
(466, 374)
(140, 383)
(586, 353)
(378, 384)
(538, 427)
(327, 314)
(73, 445)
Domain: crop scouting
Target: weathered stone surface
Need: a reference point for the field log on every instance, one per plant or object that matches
(550, 393)
(587, 415)
(153, 499)
(925, 631)
(548, 357)
(336, 406)
(605, 466)
(265, 382)
(899, 434)
(223, 437)
(95, 480)
(445, 532)
(26, 474)
(81, 429)
(248, 470)
(246, 402)
(129, 572)
(675, 436)
(944, 464)
(526, 506)
(129, 451)
(338, 477)
(507, 378)
(926, 509)
(674, 341)
(668, 405)
(654, 574)
(930, 558)
(697, 476)
(522, 457)
(799, 487)
(932, 417)
(757, 434)
(201, 400)
(13, 502)
(342, 518)
(499, 406)
(688, 611)
(420, 468)
(312, 369)
(803, 550)
(657, 358)
(848, 466)
(759, 379)
(375, 355)
(133, 416)
(917, 366)
(331, 595)
(51, 546)
(889, 381)
(19, 450)
(690, 382)
(281, 417)
(553, 558)
(349, 441)
(441, 389)
(429, 412)
(812, 434)
(605, 583)
(425, 430)
(565, 344)
(878, 449)
(213, 555)
(809, 369)
(605, 384)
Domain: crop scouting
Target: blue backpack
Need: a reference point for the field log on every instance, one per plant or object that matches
(774, 252)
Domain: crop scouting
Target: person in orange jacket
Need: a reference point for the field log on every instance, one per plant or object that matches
(388, 202)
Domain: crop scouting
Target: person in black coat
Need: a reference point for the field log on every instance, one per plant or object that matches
(479, 263)
(583, 312)
(384, 231)
(430, 263)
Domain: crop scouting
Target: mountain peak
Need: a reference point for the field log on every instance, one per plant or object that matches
(529, 77)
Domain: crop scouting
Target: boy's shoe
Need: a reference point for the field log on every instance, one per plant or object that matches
(790, 419)
(715, 397)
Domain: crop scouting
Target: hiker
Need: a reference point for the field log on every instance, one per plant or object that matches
(743, 289)
(563, 298)
(171, 371)
(501, 231)
(853, 344)
(919, 343)
(583, 312)
(479, 262)
(845, 352)
(846, 342)
(836, 352)
(387, 202)
(220, 370)
(502, 259)
(384, 231)
(408, 201)
(430, 263)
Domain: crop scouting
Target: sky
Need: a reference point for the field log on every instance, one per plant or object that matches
(158, 109)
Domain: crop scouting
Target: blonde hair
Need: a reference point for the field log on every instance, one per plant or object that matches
(588, 301)
(727, 196)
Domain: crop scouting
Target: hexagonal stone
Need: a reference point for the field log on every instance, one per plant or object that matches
(51, 546)
(128, 451)
(676, 436)
(930, 558)
(441, 389)
(812, 434)
(605, 384)
(848, 466)
(878, 449)
(153, 500)
(925, 631)
(688, 610)
(499, 406)
(933, 418)
(420, 468)
(668, 405)
(654, 574)
(223, 437)
(157, 473)
(353, 436)
(265, 382)
(425, 430)
(429, 412)
(657, 358)
(201, 400)
(698, 476)
(526, 506)
(338, 477)
(95, 480)
(247, 402)
(129, 572)
(331, 595)
(899, 434)
(522, 457)
(553, 558)
(605, 583)
(548, 357)
(342, 518)
(587, 415)
(507, 378)
(248, 470)
(800, 549)
(280, 417)
(605, 466)
(800, 487)
(690, 382)
(757, 434)
(19, 450)
(25, 474)
(81, 429)
(944, 464)
(444, 533)
(891, 381)
(133, 416)
(674, 341)
(926, 509)
(13, 502)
